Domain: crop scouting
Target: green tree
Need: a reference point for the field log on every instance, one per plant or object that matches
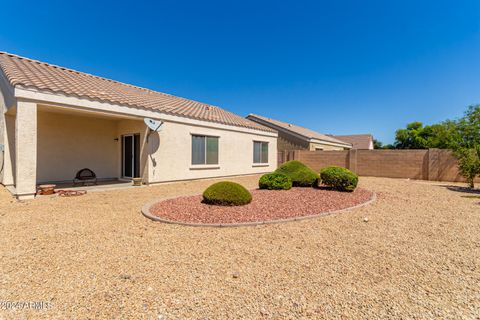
(444, 135)
(413, 137)
(377, 144)
(467, 149)
(468, 128)
(469, 163)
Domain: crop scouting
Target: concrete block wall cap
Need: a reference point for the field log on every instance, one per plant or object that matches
(147, 213)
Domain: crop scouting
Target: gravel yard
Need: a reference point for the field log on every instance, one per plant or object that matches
(97, 256)
(266, 205)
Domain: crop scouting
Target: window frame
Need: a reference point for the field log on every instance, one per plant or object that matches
(205, 164)
(262, 161)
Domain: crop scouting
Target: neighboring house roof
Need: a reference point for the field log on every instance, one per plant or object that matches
(307, 134)
(27, 73)
(358, 141)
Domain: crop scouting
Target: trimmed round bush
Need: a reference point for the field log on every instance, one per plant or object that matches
(339, 178)
(300, 174)
(275, 181)
(226, 193)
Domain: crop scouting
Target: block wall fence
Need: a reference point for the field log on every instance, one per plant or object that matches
(431, 164)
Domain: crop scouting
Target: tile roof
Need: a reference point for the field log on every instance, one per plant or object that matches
(307, 133)
(29, 73)
(358, 141)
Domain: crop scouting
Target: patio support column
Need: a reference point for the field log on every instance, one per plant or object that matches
(9, 151)
(26, 150)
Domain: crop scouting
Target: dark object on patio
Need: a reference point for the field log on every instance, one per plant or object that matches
(46, 189)
(71, 193)
(85, 176)
(137, 181)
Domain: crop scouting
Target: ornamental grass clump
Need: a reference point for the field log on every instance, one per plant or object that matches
(300, 174)
(226, 193)
(275, 181)
(339, 178)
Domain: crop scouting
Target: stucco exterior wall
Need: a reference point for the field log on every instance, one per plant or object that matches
(68, 143)
(324, 147)
(171, 153)
(290, 142)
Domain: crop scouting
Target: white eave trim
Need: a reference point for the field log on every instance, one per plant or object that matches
(86, 104)
(312, 140)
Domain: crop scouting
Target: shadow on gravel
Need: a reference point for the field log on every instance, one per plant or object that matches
(467, 192)
(463, 190)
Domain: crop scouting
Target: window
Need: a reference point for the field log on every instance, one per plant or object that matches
(260, 152)
(204, 150)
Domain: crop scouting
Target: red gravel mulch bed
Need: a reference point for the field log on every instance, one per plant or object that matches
(267, 205)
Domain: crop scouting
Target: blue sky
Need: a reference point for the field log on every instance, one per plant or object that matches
(338, 67)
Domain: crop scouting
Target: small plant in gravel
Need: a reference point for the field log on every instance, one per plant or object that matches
(339, 178)
(301, 175)
(275, 181)
(226, 193)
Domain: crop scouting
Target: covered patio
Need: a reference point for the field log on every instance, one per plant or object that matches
(51, 143)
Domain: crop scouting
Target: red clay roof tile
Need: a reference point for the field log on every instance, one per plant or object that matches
(358, 141)
(29, 73)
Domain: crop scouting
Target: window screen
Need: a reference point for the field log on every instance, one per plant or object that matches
(204, 150)
(260, 152)
(212, 150)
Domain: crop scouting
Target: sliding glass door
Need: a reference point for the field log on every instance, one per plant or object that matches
(131, 156)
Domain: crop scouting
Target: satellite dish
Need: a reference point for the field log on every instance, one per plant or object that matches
(154, 125)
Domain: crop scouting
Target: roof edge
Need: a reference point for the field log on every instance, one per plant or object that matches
(33, 95)
(306, 138)
(261, 121)
(97, 77)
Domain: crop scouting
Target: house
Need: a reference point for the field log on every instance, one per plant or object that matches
(293, 137)
(55, 121)
(358, 141)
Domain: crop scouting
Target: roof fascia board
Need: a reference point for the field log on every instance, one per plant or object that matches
(68, 101)
(313, 140)
(278, 128)
(8, 91)
(89, 111)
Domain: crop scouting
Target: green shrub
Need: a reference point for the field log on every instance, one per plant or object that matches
(275, 181)
(300, 174)
(339, 178)
(226, 193)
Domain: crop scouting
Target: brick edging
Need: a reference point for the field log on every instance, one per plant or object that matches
(146, 212)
